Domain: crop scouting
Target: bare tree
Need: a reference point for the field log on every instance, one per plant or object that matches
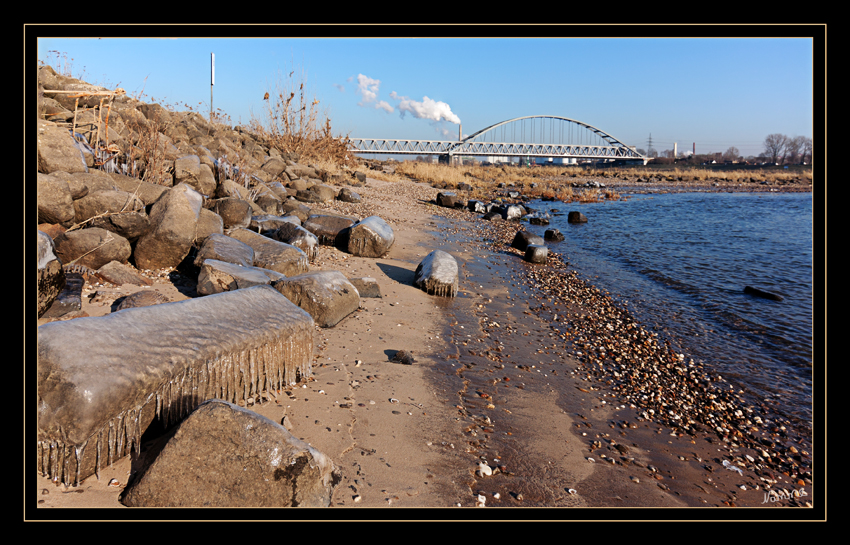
(794, 149)
(774, 146)
(807, 150)
(732, 154)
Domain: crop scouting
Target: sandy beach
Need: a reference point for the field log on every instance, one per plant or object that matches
(494, 412)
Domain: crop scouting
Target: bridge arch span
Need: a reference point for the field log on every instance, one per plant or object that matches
(602, 134)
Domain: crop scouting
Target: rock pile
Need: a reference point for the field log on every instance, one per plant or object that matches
(134, 184)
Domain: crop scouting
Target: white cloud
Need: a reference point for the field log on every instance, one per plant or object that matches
(368, 88)
(340, 87)
(384, 105)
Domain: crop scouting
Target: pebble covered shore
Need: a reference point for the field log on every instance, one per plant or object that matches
(635, 367)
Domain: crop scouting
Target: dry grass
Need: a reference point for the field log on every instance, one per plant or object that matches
(292, 123)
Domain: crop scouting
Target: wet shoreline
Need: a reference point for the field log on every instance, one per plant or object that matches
(722, 455)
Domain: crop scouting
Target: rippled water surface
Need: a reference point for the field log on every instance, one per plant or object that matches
(681, 262)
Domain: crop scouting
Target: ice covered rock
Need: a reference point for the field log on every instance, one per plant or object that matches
(370, 237)
(291, 233)
(270, 222)
(51, 277)
(225, 248)
(512, 212)
(327, 296)
(271, 254)
(102, 380)
(437, 274)
(218, 276)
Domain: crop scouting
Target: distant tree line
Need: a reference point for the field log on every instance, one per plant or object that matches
(778, 149)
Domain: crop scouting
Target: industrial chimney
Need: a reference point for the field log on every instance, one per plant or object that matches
(459, 132)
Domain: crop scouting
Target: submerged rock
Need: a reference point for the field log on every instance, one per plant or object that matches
(437, 274)
(761, 293)
(553, 234)
(223, 455)
(576, 217)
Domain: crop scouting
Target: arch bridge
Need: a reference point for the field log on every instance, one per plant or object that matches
(529, 136)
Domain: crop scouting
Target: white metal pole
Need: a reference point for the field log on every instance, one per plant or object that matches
(212, 82)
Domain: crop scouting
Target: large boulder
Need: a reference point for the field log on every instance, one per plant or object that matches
(235, 213)
(347, 195)
(512, 212)
(274, 166)
(270, 222)
(129, 225)
(57, 150)
(218, 276)
(576, 217)
(271, 254)
(367, 286)
(297, 236)
(93, 247)
(327, 228)
(437, 274)
(106, 202)
(147, 191)
(523, 239)
(70, 299)
(55, 200)
(535, 253)
(292, 207)
(174, 218)
(102, 380)
(327, 296)
(370, 237)
(119, 274)
(51, 277)
(225, 248)
(553, 235)
(448, 199)
(318, 193)
(209, 223)
(223, 455)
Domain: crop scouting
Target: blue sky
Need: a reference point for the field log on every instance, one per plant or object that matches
(714, 92)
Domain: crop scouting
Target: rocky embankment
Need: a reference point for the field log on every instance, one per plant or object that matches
(242, 221)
